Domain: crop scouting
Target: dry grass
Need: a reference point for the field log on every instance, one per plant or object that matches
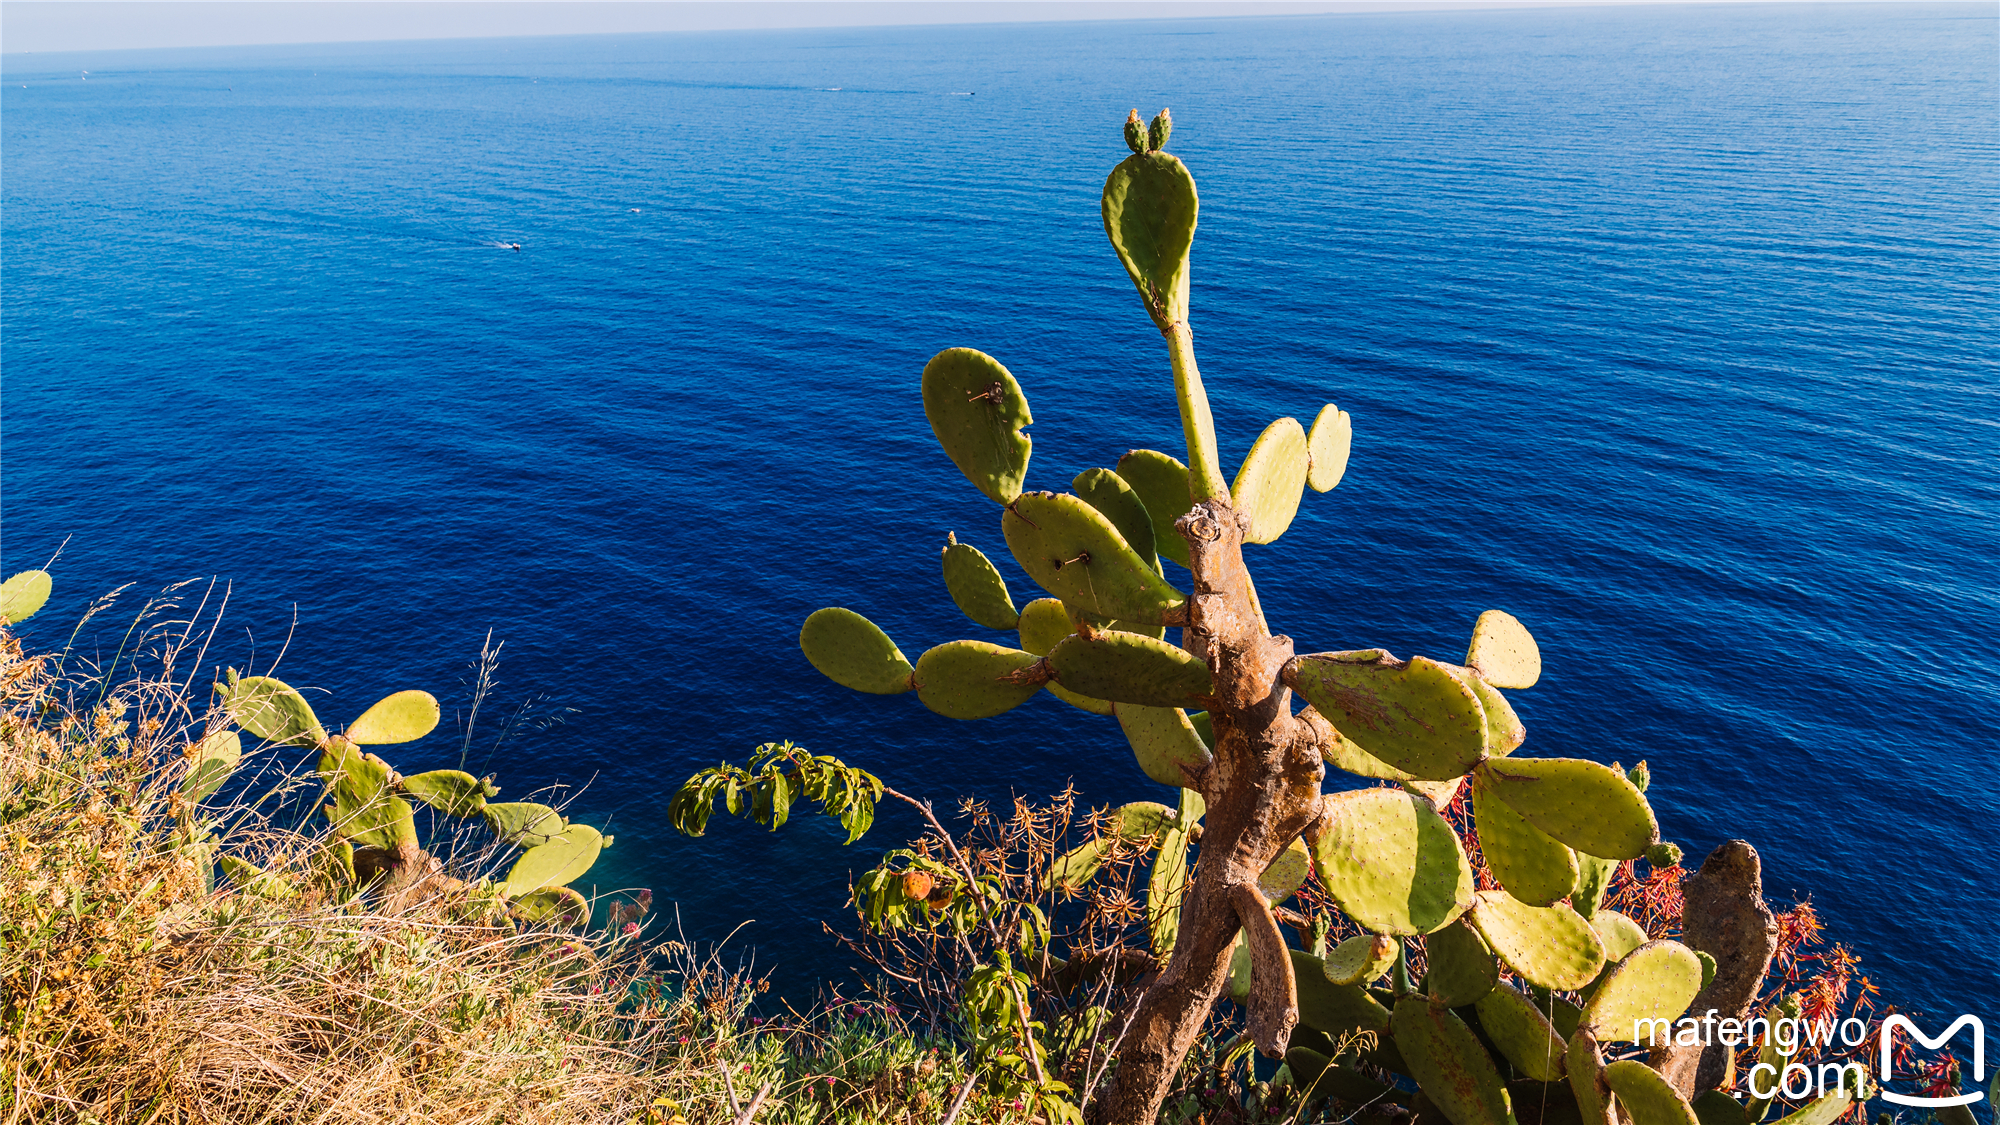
(140, 983)
(132, 989)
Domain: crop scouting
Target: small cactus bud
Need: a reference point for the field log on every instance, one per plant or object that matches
(1162, 126)
(1639, 776)
(1664, 855)
(1135, 133)
(916, 885)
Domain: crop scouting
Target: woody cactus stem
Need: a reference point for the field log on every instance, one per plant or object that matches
(1262, 791)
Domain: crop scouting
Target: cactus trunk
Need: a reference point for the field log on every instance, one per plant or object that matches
(1262, 792)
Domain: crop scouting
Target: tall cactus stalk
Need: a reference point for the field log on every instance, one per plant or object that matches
(1214, 716)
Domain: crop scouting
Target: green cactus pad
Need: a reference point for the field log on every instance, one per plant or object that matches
(1043, 623)
(1075, 867)
(1136, 137)
(1656, 981)
(1391, 862)
(1593, 878)
(254, 880)
(1164, 740)
(554, 864)
(976, 586)
(23, 595)
(558, 905)
(1462, 968)
(1522, 1033)
(969, 679)
(1504, 651)
(1334, 1009)
(1827, 1110)
(1587, 806)
(1717, 1108)
(402, 717)
(1787, 1007)
(1111, 495)
(1158, 132)
(1150, 210)
(1317, 1077)
(1585, 1066)
(272, 711)
(1341, 753)
(848, 649)
(1449, 1064)
(1327, 447)
(1166, 884)
(1362, 958)
(1204, 727)
(360, 807)
(1550, 946)
(334, 859)
(1080, 702)
(1645, 1096)
(523, 822)
(1073, 552)
(1129, 668)
(1504, 729)
(1416, 715)
(1239, 970)
(1620, 934)
(451, 792)
(1286, 874)
(1161, 482)
(1664, 855)
(977, 411)
(1530, 863)
(212, 759)
(1272, 479)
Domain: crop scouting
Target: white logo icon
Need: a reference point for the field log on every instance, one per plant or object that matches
(1889, 1027)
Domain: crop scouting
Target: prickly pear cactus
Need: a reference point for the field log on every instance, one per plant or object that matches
(371, 808)
(1209, 711)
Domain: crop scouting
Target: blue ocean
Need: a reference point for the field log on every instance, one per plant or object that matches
(1673, 331)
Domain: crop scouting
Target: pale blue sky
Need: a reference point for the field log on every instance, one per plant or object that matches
(118, 24)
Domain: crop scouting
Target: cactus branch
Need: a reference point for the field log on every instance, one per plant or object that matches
(1274, 1008)
(1205, 480)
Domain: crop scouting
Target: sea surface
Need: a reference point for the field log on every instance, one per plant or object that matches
(1671, 330)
